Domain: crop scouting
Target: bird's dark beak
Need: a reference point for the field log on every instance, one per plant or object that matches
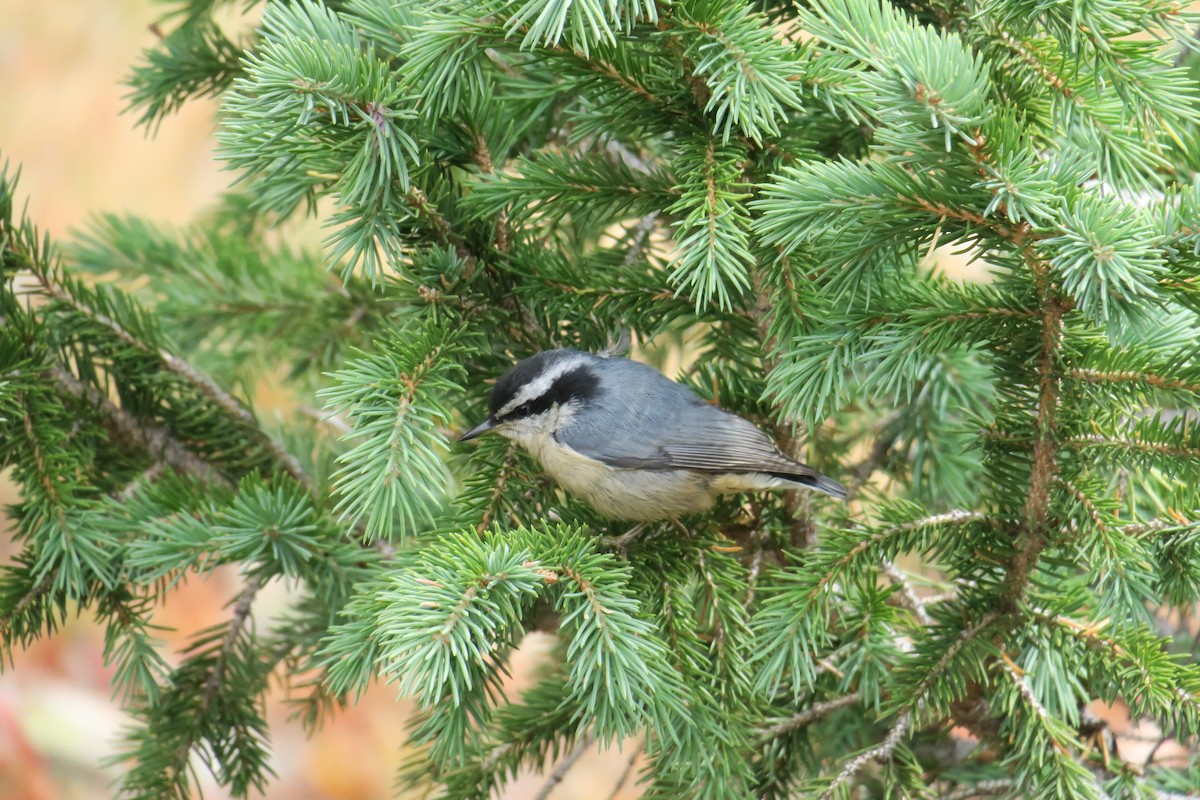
(478, 430)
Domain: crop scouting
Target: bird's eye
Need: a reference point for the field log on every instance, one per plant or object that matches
(523, 409)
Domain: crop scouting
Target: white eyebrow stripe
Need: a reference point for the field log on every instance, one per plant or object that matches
(542, 383)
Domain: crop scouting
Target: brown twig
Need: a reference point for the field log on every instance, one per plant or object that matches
(27, 599)
(1099, 440)
(718, 629)
(641, 235)
(564, 766)
(625, 773)
(155, 440)
(619, 543)
(1045, 444)
(914, 603)
(996, 786)
(956, 517)
(507, 468)
(438, 224)
(880, 449)
(1132, 376)
(197, 379)
(963, 639)
(882, 752)
(757, 553)
(212, 682)
(241, 615)
(806, 717)
(802, 529)
(502, 238)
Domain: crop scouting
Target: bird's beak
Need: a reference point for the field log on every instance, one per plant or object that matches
(478, 430)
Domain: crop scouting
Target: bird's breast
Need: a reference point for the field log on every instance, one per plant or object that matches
(627, 494)
(574, 471)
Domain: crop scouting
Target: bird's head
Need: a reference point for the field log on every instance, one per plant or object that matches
(540, 395)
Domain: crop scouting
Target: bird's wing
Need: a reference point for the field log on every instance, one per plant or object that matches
(649, 422)
(700, 437)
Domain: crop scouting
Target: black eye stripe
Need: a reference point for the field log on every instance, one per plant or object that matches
(577, 384)
(519, 376)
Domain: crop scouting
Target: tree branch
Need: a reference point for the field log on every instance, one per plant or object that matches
(1099, 440)
(875, 458)
(241, 614)
(564, 766)
(625, 773)
(198, 380)
(1132, 376)
(212, 682)
(156, 441)
(914, 603)
(956, 517)
(1045, 444)
(36, 591)
(996, 786)
(957, 645)
(883, 752)
(806, 717)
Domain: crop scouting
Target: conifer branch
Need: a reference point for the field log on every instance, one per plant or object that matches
(1150, 526)
(148, 476)
(483, 157)
(980, 789)
(713, 598)
(438, 224)
(1045, 443)
(808, 716)
(35, 593)
(942, 211)
(1132, 376)
(961, 641)
(1014, 674)
(882, 752)
(197, 379)
(45, 479)
(1052, 79)
(641, 239)
(626, 773)
(1136, 445)
(237, 624)
(950, 518)
(212, 685)
(1084, 501)
(757, 553)
(628, 83)
(801, 528)
(914, 603)
(1147, 682)
(798, 237)
(564, 766)
(154, 440)
(506, 471)
(880, 448)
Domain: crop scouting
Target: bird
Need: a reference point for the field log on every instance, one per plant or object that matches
(634, 444)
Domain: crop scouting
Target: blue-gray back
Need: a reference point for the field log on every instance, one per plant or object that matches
(645, 420)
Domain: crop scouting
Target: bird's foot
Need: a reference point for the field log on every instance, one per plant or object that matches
(619, 542)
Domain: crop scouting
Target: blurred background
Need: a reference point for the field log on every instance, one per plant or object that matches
(80, 155)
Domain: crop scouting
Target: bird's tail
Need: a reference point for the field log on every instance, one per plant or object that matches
(819, 482)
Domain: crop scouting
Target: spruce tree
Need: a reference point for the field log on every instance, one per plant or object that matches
(757, 182)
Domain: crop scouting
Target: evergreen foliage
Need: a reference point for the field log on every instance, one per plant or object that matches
(759, 181)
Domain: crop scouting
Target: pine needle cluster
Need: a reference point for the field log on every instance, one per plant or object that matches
(758, 180)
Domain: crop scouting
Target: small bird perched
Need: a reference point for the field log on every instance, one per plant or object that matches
(631, 442)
